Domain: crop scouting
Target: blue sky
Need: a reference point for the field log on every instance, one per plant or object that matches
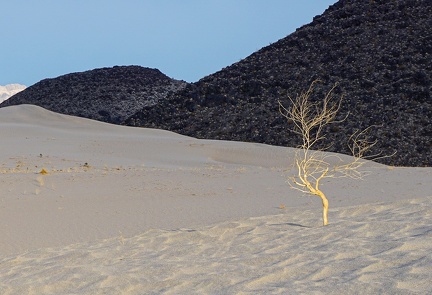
(185, 39)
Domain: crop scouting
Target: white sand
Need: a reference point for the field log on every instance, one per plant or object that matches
(139, 211)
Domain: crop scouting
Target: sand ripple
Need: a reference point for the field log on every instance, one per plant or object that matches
(368, 249)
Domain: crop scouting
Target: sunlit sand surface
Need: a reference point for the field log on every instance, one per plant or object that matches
(123, 210)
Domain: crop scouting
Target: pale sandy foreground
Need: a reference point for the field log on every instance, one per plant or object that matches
(138, 211)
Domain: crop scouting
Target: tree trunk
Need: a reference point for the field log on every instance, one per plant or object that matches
(325, 206)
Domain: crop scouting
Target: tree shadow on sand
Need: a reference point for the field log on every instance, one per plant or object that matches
(290, 224)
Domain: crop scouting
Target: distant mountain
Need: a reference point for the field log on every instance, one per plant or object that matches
(9, 90)
(108, 94)
(380, 53)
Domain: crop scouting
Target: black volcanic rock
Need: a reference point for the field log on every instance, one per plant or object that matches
(108, 94)
(380, 53)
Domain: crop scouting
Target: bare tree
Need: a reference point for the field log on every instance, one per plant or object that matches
(309, 119)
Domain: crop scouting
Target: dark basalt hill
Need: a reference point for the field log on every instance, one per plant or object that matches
(380, 53)
(108, 94)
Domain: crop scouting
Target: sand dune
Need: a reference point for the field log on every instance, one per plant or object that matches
(139, 211)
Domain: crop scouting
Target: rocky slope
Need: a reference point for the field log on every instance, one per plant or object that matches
(380, 53)
(107, 94)
(10, 90)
